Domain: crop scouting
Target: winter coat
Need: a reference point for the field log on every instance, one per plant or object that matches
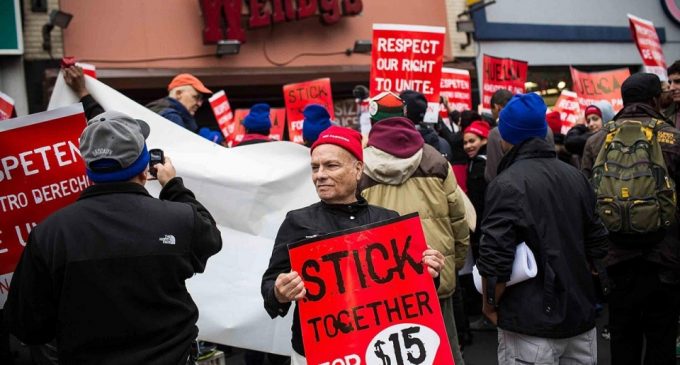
(422, 183)
(550, 205)
(106, 276)
(175, 112)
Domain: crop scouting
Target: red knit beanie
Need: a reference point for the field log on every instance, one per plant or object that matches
(346, 138)
(554, 120)
(479, 128)
(592, 109)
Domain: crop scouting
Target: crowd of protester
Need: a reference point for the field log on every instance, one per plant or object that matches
(526, 181)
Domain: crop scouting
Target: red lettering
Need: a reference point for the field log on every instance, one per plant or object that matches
(306, 8)
(330, 11)
(259, 15)
(283, 11)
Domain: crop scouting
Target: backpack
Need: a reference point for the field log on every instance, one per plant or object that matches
(635, 194)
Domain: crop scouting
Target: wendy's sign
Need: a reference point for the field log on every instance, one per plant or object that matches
(263, 13)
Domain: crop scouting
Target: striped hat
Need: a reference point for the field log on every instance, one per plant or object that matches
(385, 105)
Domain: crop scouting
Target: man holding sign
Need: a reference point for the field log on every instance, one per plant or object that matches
(106, 275)
(337, 165)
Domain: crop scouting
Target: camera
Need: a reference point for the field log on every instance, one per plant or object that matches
(156, 156)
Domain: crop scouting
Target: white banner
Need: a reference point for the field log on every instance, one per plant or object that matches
(248, 190)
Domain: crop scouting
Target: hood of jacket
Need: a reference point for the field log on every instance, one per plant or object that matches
(388, 169)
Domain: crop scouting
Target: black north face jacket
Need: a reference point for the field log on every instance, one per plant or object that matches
(550, 205)
(105, 276)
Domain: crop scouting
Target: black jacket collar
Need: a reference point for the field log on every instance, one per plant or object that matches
(113, 188)
(634, 110)
(530, 148)
(359, 205)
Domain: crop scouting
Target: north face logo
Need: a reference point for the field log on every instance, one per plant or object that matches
(168, 239)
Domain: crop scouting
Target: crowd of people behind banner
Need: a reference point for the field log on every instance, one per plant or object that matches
(526, 180)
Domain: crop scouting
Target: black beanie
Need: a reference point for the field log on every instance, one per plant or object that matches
(416, 105)
(640, 87)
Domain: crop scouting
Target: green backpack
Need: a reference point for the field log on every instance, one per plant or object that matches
(635, 195)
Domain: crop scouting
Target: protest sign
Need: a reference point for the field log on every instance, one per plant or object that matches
(370, 300)
(40, 171)
(502, 73)
(648, 44)
(594, 86)
(456, 88)
(248, 191)
(568, 107)
(297, 96)
(238, 130)
(408, 57)
(6, 106)
(222, 111)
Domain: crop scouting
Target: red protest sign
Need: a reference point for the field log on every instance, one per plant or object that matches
(6, 106)
(297, 96)
(502, 73)
(40, 171)
(456, 88)
(569, 109)
(278, 117)
(648, 44)
(408, 57)
(370, 300)
(236, 128)
(594, 86)
(222, 111)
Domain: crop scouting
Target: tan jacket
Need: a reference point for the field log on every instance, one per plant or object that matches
(422, 183)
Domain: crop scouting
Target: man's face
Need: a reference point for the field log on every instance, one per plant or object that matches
(674, 81)
(335, 173)
(190, 98)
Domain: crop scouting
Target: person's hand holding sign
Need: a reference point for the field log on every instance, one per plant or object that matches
(289, 287)
(434, 261)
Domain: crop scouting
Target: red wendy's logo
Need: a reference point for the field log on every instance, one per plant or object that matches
(265, 13)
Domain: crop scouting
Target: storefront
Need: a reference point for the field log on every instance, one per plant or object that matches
(138, 46)
(589, 35)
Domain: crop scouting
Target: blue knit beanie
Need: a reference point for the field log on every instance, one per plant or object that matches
(258, 119)
(523, 117)
(211, 135)
(316, 121)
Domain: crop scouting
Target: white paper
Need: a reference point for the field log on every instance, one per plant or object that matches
(523, 268)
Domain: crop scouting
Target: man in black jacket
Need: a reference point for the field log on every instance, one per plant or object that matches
(550, 205)
(644, 269)
(337, 165)
(106, 275)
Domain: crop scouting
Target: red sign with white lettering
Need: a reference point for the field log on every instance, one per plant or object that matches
(408, 57)
(594, 86)
(370, 299)
(297, 96)
(502, 73)
(6, 106)
(647, 42)
(41, 171)
(264, 13)
(223, 114)
(456, 88)
(568, 106)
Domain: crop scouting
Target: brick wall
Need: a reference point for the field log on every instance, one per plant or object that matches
(453, 8)
(33, 23)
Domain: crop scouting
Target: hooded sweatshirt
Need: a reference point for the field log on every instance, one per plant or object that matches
(404, 174)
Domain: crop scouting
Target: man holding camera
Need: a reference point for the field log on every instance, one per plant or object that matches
(106, 275)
